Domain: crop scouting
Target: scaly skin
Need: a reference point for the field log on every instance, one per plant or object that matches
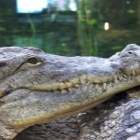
(116, 119)
(111, 120)
(36, 87)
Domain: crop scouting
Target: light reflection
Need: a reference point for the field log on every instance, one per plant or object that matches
(37, 6)
(127, 2)
(106, 26)
(72, 5)
(31, 6)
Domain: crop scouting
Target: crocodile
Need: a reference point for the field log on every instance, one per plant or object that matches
(37, 87)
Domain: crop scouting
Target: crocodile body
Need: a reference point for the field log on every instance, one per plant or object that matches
(36, 87)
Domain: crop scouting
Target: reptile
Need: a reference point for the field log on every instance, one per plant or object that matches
(36, 87)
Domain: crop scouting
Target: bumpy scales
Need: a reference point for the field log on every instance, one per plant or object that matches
(36, 87)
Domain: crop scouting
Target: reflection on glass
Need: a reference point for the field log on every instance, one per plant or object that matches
(31, 6)
(37, 6)
(106, 26)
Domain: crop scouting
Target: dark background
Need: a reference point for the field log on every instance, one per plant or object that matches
(71, 33)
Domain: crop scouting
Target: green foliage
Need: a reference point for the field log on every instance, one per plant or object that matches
(116, 48)
(86, 29)
(92, 22)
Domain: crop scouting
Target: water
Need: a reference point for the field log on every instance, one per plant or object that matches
(97, 28)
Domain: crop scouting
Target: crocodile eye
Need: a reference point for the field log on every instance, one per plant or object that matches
(33, 60)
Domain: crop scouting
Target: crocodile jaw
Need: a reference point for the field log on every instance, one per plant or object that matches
(27, 107)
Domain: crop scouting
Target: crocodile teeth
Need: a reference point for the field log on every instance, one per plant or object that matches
(133, 73)
(75, 81)
(83, 81)
(104, 86)
(120, 77)
(125, 76)
(84, 77)
(116, 81)
(96, 86)
(70, 89)
(68, 84)
(61, 86)
(87, 83)
(77, 85)
(63, 91)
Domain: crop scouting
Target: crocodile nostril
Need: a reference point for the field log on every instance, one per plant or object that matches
(3, 64)
(129, 52)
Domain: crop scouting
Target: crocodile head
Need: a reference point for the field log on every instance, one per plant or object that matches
(36, 87)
